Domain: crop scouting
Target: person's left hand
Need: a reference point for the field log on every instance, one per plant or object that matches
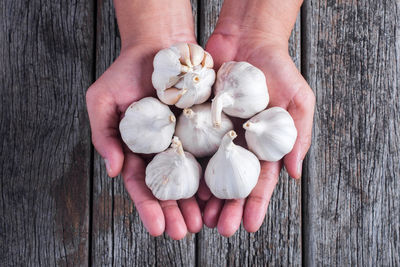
(287, 89)
(128, 80)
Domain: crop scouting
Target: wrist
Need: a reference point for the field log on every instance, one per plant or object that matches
(271, 20)
(156, 41)
(155, 22)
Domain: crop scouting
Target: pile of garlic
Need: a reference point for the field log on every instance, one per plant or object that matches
(183, 76)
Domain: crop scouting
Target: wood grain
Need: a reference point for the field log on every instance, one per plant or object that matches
(46, 58)
(118, 236)
(278, 242)
(208, 16)
(352, 186)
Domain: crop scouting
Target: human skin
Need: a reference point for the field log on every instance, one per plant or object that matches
(258, 31)
(255, 31)
(145, 28)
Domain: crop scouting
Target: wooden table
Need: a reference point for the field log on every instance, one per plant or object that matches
(58, 207)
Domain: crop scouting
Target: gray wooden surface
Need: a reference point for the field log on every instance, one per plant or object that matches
(58, 207)
(351, 184)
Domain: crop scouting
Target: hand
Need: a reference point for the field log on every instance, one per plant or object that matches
(126, 81)
(287, 89)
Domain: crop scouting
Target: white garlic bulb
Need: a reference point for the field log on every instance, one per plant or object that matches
(233, 171)
(197, 133)
(240, 91)
(183, 75)
(271, 134)
(148, 126)
(173, 174)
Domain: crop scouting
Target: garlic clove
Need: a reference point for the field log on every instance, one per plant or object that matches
(198, 84)
(168, 67)
(207, 60)
(196, 54)
(184, 52)
(183, 66)
(171, 95)
(197, 133)
(271, 134)
(148, 126)
(173, 174)
(243, 90)
(233, 171)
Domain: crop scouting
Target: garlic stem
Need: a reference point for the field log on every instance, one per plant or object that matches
(256, 127)
(177, 145)
(218, 103)
(227, 140)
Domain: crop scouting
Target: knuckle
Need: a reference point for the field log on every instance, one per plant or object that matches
(271, 176)
(259, 200)
(95, 141)
(311, 96)
(90, 94)
(305, 142)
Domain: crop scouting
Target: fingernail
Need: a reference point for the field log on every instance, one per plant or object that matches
(299, 168)
(108, 166)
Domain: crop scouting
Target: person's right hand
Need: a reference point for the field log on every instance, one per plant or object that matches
(128, 80)
(257, 31)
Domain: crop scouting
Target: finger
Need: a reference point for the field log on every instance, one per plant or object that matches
(257, 202)
(230, 217)
(203, 192)
(175, 225)
(146, 204)
(191, 214)
(221, 54)
(211, 211)
(104, 121)
(301, 108)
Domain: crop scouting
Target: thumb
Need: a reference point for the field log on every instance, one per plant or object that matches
(104, 121)
(221, 48)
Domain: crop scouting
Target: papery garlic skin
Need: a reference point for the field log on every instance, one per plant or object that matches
(240, 91)
(183, 75)
(148, 126)
(271, 134)
(198, 134)
(173, 174)
(233, 171)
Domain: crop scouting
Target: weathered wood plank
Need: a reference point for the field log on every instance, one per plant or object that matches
(352, 186)
(119, 237)
(208, 16)
(46, 58)
(195, 6)
(278, 242)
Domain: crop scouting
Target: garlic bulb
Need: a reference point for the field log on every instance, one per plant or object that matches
(173, 174)
(183, 75)
(197, 133)
(240, 91)
(271, 134)
(233, 171)
(148, 126)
